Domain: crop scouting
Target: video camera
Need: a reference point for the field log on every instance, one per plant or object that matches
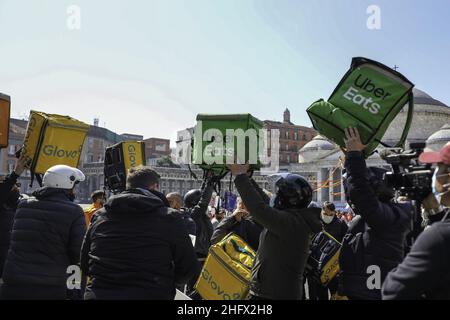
(408, 177)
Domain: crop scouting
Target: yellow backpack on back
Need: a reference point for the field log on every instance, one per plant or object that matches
(227, 270)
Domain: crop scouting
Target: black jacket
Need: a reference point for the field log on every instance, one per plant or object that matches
(248, 229)
(46, 238)
(7, 211)
(135, 249)
(375, 238)
(425, 272)
(189, 223)
(337, 228)
(284, 244)
(204, 228)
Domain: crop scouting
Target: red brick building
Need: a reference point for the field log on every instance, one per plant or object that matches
(156, 148)
(292, 137)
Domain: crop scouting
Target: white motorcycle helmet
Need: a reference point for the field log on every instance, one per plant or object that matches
(62, 177)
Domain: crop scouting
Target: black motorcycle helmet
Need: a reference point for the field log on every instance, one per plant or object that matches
(192, 197)
(292, 191)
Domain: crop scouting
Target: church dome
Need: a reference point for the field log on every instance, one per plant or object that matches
(314, 149)
(430, 115)
(421, 97)
(438, 139)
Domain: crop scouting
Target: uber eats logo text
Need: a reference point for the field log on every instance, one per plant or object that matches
(215, 287)
(58, 152)
(362, 86)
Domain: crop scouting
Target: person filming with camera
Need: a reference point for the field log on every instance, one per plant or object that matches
(374, 243)
(425, 272)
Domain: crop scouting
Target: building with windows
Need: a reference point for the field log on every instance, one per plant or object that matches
(17, 131)
(155, 149)
(292, 137)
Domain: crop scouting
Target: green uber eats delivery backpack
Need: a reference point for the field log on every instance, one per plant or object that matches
(368, 97)
(212, 139)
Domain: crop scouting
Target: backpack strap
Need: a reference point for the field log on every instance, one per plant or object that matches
(331, 237)
(446, 215)
(409, 118)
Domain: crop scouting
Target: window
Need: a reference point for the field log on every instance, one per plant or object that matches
(10, 166)
(287, 147)
(295, 136)
(12, 150)
(288, 158)
(160, 147)
(287, 134)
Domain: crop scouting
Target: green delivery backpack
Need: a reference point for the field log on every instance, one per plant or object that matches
(368, 97)
(210, 148)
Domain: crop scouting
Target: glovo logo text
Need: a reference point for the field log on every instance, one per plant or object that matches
(132, 155)
(58, 152)
(215, 287)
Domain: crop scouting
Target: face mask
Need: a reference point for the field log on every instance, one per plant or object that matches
(326, 219)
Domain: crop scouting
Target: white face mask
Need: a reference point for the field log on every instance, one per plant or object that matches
(326, 219)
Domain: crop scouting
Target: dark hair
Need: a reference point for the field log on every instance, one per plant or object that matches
(329, 205)
(97, 194)
(142, 177)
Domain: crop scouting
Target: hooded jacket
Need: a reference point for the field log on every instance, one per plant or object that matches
(46, 238)
(284, 244)
(136, 250)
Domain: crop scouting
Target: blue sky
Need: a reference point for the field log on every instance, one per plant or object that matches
(148, 67)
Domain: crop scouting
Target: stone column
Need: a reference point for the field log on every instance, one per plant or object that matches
(319, 182)
(330, 185)
(342, 187)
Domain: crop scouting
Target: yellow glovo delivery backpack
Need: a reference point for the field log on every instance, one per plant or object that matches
(227, 270)
(53, 139)
(120, 158)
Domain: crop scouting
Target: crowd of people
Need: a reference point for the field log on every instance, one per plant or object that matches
(142, 244)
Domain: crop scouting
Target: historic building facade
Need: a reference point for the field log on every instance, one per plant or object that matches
(292, 137)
